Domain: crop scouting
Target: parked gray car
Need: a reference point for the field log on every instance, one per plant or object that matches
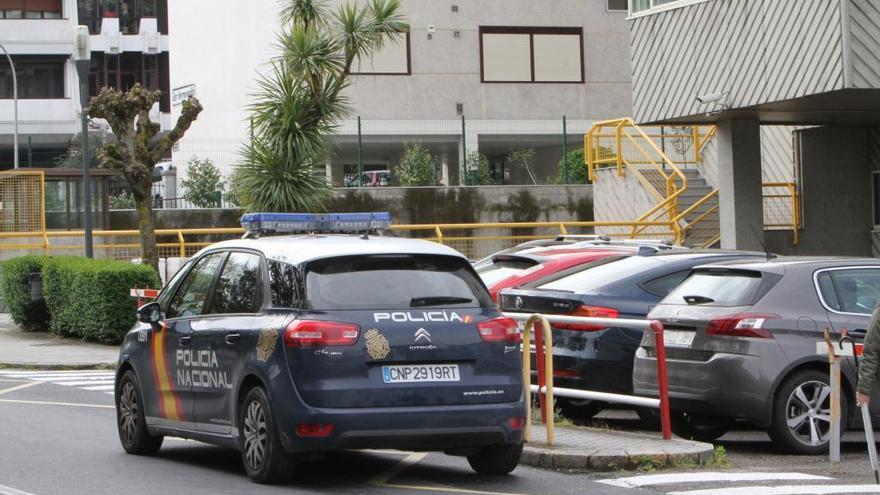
(741, 345)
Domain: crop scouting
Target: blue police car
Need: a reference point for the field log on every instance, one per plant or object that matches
(286, 345)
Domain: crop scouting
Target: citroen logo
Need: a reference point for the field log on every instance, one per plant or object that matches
(517, 303)
(422, 335)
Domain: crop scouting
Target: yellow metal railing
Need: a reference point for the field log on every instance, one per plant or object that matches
(785, 204)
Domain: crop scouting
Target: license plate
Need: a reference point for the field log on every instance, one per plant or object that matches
(521, 325)
(420, 373)
(673, 338)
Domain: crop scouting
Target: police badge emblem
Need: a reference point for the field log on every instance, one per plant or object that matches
(377, 344)
(266, 344)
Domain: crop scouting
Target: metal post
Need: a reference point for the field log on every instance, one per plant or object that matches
(15, 108)
(565, 149)
(360, 155)
(463, 168)
(662, 379)
(82, 69)
(834, 362)
(30, 152)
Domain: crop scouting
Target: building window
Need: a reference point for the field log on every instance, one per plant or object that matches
(617, 5)
(129, 13)
(121, 71)
(392, 59)
(539, 55)
(30, 9)
(39, 77)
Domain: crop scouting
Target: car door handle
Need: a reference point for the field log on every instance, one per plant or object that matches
(858, 332)
(185, 340)
(232, 338)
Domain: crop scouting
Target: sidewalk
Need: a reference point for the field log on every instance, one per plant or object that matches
(593, 449)
(42, 350)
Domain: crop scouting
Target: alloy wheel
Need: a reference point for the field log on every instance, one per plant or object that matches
(128, 412)
(808, 413)
(255, 435)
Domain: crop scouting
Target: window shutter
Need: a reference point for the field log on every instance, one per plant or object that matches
(506, 57)
(557, 57)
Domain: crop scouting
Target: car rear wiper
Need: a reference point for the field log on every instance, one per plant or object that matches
(435, 300)
(697, 299)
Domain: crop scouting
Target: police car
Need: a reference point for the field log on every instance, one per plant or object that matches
(295, 344)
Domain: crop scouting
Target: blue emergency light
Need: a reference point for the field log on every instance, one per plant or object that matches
(257, 224)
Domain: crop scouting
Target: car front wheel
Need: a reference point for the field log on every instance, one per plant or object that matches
(265, 460)
(496, 459)
(130, 422)
(802, 413)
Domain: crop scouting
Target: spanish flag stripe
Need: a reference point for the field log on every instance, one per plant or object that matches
(169, 404)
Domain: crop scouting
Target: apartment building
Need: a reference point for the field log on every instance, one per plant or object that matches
(476, 75)
(129, 42)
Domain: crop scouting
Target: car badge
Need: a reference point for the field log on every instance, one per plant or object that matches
(422, 335)
(377, 344)
(674, 317)
(517, 303)
(266, 344)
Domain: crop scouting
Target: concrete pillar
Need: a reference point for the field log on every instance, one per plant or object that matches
(444, 168)
(328, 171)
(740, 193)
(471, 141)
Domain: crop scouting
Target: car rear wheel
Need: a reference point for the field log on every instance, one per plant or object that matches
(802, 413)
(579, 410)
(699, 427)
(264, 459)
(130, 422)
(496, 459)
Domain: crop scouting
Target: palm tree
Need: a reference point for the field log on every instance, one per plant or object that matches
(300, 101)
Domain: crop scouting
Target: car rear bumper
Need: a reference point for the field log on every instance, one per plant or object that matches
(408, 428)
(726, 385)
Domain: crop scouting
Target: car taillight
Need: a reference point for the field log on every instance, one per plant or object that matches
(500, 329)
(316, 333)
(741, 325)
(307, 430)
(588, 311)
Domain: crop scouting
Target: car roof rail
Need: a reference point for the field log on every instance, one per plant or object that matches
(582, 237)
(655, 244)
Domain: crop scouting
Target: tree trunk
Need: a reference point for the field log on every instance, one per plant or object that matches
(147, 227)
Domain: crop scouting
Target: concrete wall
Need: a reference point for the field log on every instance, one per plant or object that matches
(619, 199)
(836, 194)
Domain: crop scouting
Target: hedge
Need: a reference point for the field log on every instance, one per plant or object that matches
(16, 289)
(90, 298)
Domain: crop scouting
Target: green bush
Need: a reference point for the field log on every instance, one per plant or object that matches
(90, 298)
(29, 315)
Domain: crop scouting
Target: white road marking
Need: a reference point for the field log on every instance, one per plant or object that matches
(86, 382)
(785, 490)
(666, 479)
(100, 387)
(91, 380)
(8, 490)
(18, 387)
(41, 402)
(406, 462)
(56, 372)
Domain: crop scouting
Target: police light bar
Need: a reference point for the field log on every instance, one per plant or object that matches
(257, 224)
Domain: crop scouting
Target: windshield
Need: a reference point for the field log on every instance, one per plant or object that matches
(602, 274)
(717, 288)
(393, 282)
(501, 269)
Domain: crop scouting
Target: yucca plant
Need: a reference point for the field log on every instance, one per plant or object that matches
(299, 102)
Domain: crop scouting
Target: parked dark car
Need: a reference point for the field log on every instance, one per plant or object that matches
(598, 358)
(741, 344)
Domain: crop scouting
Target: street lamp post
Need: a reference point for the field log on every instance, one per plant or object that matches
(82, 56)
(15, 107)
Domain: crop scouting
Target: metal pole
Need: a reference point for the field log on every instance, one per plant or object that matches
(662, 379)
(462, 179)
(360, 155)
(30, 152)
(82, 69)
(565, 149)
(15, 108)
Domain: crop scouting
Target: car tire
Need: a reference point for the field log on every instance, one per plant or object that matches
(649, 417)
(789, 406)
(699, 427)
(579, 410)
(496, 460)
(263, 456)
(130, 422)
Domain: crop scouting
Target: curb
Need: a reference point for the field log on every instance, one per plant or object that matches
(57, 366)
(697, 453)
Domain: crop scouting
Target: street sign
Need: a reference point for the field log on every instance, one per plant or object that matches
(178, 95)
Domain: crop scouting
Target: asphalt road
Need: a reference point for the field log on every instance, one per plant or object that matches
(57, 439)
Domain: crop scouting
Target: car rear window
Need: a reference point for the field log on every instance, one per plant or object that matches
(393, 282)
(718, 288)
(595, 276)
(503, 268)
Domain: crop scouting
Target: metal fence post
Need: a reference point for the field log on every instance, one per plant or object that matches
(360, 155)
(564, 149)
(462, 177)
(662, 379)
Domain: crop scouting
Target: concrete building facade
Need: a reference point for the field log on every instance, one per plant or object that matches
(511, 69)
(129, 42)
(746, 65)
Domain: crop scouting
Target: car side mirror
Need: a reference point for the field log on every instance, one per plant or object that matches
(150, 313)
